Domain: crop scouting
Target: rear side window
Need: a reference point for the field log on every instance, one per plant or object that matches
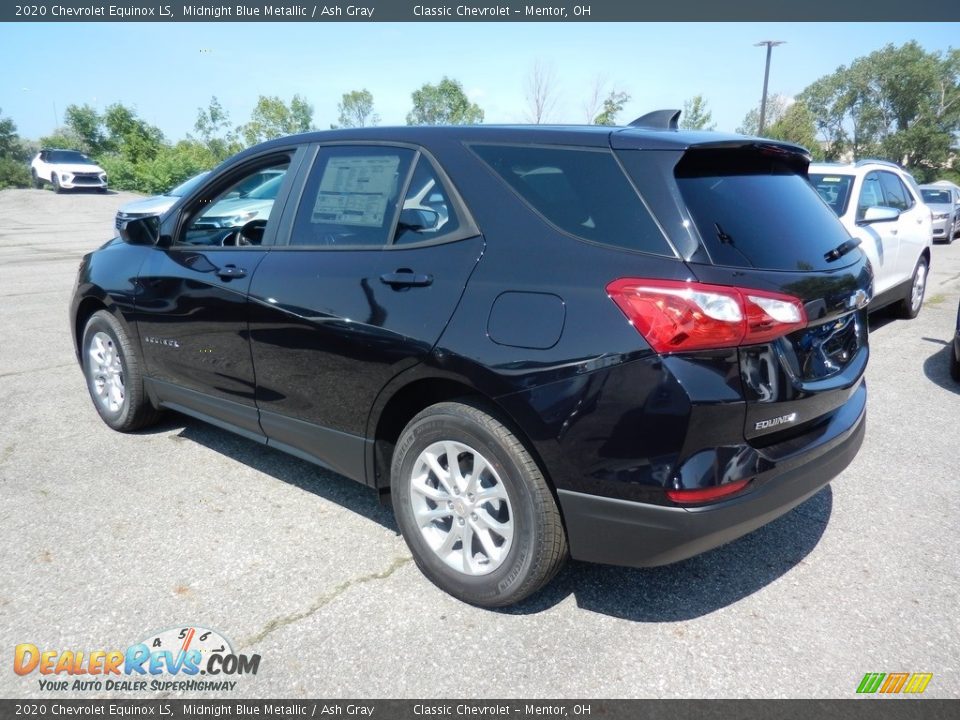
(581, 192)
(758, 211)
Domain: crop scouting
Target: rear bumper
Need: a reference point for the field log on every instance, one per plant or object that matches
(621, 532)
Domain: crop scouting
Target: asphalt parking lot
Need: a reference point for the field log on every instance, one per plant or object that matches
(108, 538)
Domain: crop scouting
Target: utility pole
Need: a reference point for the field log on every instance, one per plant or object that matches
(766, 78)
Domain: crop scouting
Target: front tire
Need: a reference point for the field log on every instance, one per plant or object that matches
(911, 304)
(474, 506)
(56, 184)
(113, 370)
(955, 361)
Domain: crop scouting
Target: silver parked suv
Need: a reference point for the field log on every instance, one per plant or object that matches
(944, 202)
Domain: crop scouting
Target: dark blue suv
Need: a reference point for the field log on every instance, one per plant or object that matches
(626, 345)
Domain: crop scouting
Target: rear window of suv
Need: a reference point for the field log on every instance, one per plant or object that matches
(583, 192)
(757, 210)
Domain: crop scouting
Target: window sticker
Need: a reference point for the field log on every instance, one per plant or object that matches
(356, 190)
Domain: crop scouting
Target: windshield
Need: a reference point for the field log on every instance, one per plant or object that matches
(941, 197)
(69, 156)
(188, 185)
(834, 189)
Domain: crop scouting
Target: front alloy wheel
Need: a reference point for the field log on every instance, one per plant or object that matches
(112, 367)
(105, 373)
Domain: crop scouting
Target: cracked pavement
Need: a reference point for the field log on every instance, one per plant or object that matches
(108, 538)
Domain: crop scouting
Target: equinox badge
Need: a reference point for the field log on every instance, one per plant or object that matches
(773, 422)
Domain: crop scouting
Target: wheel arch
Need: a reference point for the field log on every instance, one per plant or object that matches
(86, 307)
(386, 424)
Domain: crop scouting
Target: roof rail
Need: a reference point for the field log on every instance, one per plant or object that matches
(661, 119)
(870, 161)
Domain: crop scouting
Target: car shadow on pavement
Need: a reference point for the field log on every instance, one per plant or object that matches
(685, 590)
(309, 477)
(937, 366)
(694, 587)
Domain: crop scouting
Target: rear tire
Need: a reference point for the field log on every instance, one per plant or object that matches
(114, 374)
(56, 183)
(910, 306)
(954, 361)
(486, 530)
(37, 182)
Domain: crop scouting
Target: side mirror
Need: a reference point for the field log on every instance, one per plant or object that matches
(879, 214)
(418, 219)
(141, 231)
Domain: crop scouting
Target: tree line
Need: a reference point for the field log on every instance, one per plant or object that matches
(897, 103)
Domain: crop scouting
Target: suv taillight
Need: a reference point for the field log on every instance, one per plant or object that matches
(674, 316)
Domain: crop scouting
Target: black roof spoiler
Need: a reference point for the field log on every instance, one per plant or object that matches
(660, 119)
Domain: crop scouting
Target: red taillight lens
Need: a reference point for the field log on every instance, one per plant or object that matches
(703, 495)
(674, 316)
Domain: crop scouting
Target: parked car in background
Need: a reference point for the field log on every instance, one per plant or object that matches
(535, 341)
(944, 204)
(880, 204)
(157, 204)
(66, 170)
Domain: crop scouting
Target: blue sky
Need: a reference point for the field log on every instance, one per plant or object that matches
(169, 70)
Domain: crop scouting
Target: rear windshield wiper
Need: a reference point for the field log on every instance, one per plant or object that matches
(842, 249)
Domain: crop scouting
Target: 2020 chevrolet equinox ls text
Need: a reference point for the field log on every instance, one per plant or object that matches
(624, 345)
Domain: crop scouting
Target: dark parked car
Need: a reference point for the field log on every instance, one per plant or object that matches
(629, 345)
(955, 355)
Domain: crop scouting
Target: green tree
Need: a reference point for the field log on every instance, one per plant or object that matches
(796, 125)
(612, 106)
(696, 116)
(132, 137)
(356, 110)
(13, 169)
(273, 118)
(443, 104)
(216, 132)
(64, 139)
(85, 122)
(9, 140)
(776, 107)
(898, 103)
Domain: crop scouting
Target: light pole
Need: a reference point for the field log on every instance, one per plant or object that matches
(766, 77)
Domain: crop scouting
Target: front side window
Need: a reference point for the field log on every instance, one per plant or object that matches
(894, 192)
(871, 194)
(239, 213)
(351, 197)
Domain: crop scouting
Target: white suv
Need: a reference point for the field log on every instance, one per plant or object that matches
(67, 169)
(880, 204)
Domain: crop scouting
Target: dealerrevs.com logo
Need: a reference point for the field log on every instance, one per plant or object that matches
(179, 659)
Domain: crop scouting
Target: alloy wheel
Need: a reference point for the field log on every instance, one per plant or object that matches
(461, 507)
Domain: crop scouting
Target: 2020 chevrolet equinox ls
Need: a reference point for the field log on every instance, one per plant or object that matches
(624, 345)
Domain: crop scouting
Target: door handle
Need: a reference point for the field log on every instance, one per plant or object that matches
(405, 278)
(231, 272)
